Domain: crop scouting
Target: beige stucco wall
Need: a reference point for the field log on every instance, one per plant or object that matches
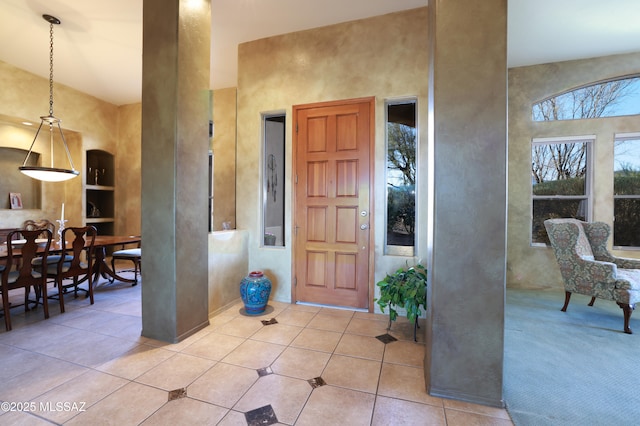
(384, 56)
(228, 264)
(224, 157)
(88, 123)
(128, 163)
(535, 267)
(129, 177)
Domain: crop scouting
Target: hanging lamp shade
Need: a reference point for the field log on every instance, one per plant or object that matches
(50, 174)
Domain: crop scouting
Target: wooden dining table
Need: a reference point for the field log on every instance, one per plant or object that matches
(101, 267)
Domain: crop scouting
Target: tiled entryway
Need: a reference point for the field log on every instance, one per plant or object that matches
(309, 366)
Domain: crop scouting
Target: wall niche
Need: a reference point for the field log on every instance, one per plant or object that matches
(14, 181)
(13, 140)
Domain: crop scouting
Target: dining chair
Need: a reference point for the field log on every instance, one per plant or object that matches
(19, 271)
(133, 255)
(4, 233)
(32, 225)
(75, 262)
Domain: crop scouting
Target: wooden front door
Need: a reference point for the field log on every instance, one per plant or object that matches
(333, 144)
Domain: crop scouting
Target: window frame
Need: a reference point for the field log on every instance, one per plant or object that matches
(390, 249)
(588, 195)
(606, 112)
(622, 137)
(265, 176)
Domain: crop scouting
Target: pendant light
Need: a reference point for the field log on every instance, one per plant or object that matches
(50, 174)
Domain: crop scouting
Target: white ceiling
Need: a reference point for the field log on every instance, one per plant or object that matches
(98, 46)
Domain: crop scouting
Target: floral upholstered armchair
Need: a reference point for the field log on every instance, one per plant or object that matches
(588, 268)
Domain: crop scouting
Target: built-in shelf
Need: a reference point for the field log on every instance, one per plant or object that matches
(99, 191)
(99, 219)
(100, 187)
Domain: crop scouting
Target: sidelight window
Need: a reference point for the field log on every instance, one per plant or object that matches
(273, 179)
(401, 173)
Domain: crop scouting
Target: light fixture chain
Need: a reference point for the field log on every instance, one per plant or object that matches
(50, 174)
(51, 69)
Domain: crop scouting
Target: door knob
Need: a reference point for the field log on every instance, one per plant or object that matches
(364, 226)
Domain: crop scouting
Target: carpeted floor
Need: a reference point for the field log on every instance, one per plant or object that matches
(570, 368)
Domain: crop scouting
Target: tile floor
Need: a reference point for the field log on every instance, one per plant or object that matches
(315, 366)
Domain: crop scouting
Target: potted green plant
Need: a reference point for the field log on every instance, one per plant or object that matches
(269, 239)
(406, 288)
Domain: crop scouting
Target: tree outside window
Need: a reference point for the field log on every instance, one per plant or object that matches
(559, 168)
(401, 177)
(559, 179)
(626, 189)
(606, 99)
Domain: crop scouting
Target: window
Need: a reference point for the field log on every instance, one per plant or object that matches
(401, 177)
(273, 179)
(211, 164)
(626, 189)
(211, 191)
(560, 181)
(605, 99)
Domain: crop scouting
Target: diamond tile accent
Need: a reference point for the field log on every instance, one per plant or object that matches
(386, 338)
(212, 375)
(177, 394)
(264, 371)
(262, 416)
(269, 322)
(316, 382)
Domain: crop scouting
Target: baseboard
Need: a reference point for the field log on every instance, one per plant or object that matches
(193, 331)
(474, 399)
(225, 307)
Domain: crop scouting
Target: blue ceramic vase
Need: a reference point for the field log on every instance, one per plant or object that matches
(255, 289)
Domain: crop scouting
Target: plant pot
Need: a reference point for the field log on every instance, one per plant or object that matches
(255, 289)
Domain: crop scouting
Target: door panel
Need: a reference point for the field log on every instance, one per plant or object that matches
(332, 203)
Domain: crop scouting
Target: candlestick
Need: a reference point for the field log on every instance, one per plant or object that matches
(61, 226)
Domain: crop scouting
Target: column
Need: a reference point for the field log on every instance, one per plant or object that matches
(468, 110)
(175, 145)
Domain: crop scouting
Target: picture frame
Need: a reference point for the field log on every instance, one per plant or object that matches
(15, 198)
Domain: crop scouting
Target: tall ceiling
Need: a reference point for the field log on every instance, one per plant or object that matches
(98, 46)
